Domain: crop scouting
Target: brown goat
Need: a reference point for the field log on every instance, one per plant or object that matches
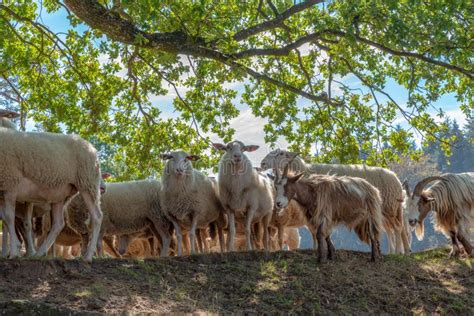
(329, 201)
(451, 198)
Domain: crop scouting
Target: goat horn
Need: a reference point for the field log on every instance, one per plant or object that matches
(285, 171)
(406, 187)
(277, 173)
(421, 185)
(8, 114)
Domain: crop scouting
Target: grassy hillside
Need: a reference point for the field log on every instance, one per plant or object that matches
(245, 282)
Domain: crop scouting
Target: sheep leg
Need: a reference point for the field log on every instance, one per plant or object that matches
(220, 233)
(266, 236)
(199, 243)
(322, 250)
(192, 235)
(4, 239)
(280, 236)
(455, 251)
(9, 220)
(151, 242)
(248, 228)
(179, 236)
(186, 244)
(27, 224)
(84, 241)
(163, 232)
(95, 215)
(331, 249)
(57, 213)
(231, 235)
(466, 244)
(100, 246)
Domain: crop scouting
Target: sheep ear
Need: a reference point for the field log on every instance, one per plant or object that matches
(296, 178)
(193, 157)
(106, 175)
(165, 156)
(250, 148)
(219, 146)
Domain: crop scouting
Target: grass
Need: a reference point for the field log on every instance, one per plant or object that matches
(281, 282)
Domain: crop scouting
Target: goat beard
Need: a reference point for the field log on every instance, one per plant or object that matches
(419, 230)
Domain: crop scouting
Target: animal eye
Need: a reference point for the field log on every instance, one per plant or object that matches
(281, 154)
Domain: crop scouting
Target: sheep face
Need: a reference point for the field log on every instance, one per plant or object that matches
(179, 163)
(277, 158)
(234, 151)
(123, 242)
(285, 190)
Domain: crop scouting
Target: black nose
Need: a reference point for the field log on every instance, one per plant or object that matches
(278, 204)
(412, 222)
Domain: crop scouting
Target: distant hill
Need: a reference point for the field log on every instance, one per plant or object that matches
(247, 282)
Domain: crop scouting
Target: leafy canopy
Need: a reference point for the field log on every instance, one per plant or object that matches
(99, 78)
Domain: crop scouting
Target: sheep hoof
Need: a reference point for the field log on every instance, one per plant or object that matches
(322, 259)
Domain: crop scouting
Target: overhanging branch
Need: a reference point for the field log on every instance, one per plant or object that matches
(277, 22)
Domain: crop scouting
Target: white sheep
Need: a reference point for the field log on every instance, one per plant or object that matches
(385, 180)
(50, 168)
(189, 198)
(129, 207)
(451, 198)
(244, 193)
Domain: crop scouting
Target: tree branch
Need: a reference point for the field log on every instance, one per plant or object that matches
(468, 73)
(277, 22)
(285, 50)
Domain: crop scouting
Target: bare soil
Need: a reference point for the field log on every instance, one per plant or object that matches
(246, 282)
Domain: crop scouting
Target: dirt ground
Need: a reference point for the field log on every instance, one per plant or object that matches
(248, 282)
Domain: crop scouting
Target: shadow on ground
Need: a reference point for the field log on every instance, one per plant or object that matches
(254, 282)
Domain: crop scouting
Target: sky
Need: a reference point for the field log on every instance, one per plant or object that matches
(250, 128)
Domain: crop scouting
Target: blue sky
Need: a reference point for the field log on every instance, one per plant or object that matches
(250, 128)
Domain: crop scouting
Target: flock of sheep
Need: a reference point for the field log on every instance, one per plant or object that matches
(52, 192)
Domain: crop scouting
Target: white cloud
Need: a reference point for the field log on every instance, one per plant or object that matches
(249, 129)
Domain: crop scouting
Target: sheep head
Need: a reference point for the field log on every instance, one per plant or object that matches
(419, 204)
(178, 163)
(277, 158)
(234, 150)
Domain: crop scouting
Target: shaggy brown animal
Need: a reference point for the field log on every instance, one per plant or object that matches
(329, 201)
(451, 198)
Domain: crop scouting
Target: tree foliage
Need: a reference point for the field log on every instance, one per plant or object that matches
(294, 58)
